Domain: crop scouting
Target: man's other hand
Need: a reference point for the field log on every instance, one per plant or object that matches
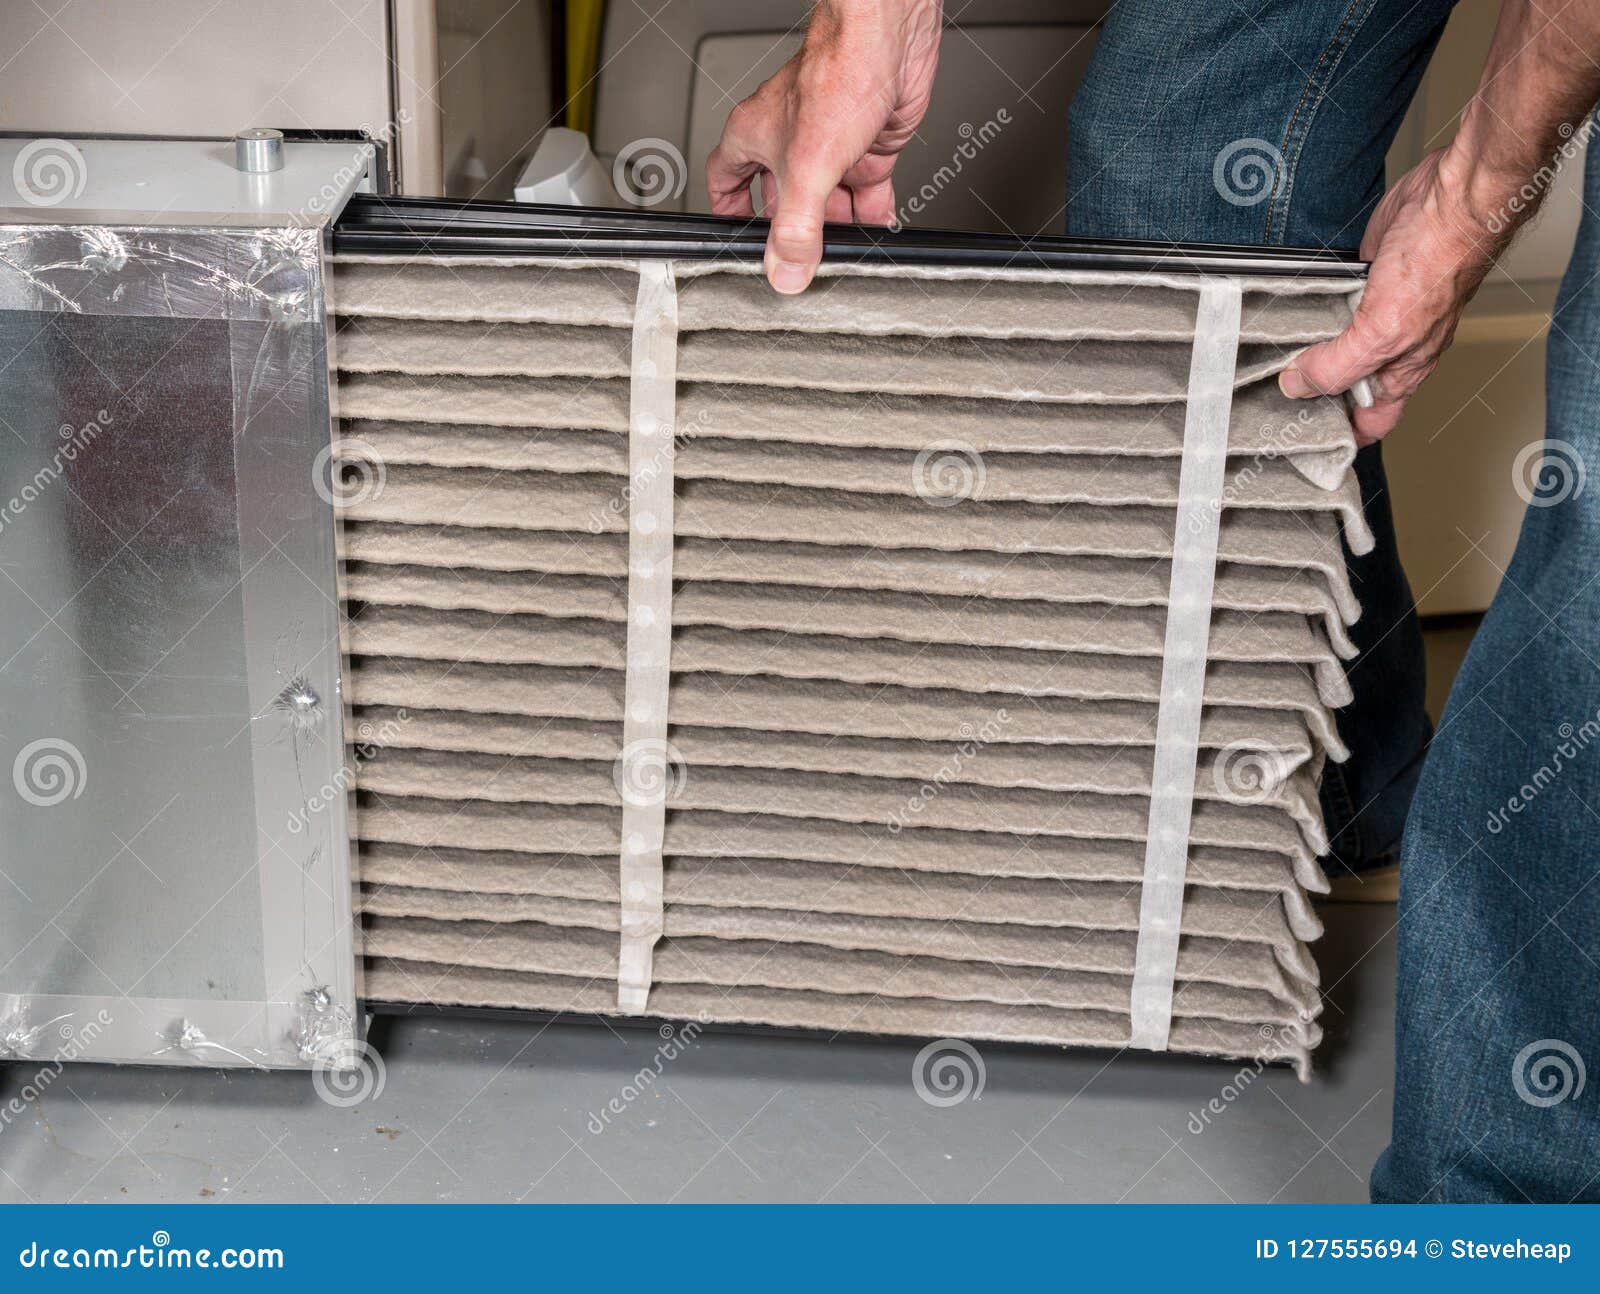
(823, 134)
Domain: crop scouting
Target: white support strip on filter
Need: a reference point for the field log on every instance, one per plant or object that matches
(1183, 664)
(647, 767)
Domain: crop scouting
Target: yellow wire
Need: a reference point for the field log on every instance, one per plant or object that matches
(584, 21)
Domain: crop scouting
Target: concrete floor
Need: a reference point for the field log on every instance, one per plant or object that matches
(475, 1110)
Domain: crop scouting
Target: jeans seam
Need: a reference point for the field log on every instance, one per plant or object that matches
(1278, 205)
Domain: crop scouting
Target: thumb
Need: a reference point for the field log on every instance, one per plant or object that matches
(794, 244)
(1335, 366)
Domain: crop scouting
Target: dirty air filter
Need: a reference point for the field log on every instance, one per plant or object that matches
(838, 661)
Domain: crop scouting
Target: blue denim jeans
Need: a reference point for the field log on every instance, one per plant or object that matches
(1267, 122)
(1500, 892)
(1499, 943)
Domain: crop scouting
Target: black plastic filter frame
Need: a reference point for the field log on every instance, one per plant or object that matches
(440, 226)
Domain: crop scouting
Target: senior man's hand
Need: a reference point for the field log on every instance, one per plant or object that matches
(824, 132)
(1436, 234)
(1429, 253)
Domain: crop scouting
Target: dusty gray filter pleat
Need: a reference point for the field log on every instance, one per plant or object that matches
(919, 617)
(1313, 436)
(732, 655)
(1000, 478)
(892, 804)
(1242, 919)
(1076, 372)
(1124, 769)
(1256, 717)
(445, 985)
(968, 892)
(1278, 538)
(801, 895)
(566, 950)
(922, 534)
(591, 831)
(1109, 581)
(849, 303)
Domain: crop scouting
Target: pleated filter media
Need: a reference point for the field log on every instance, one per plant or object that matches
(943, 652)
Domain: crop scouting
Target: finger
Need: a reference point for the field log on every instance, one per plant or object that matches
(838, 209)
(1375, 423)
(794, 245)
(739, 202)
(742, 153)
(728, 181)
(874, 203)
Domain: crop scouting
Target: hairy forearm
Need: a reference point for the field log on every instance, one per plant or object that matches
(1435, 236)
(1539, 83)
(878, 38)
